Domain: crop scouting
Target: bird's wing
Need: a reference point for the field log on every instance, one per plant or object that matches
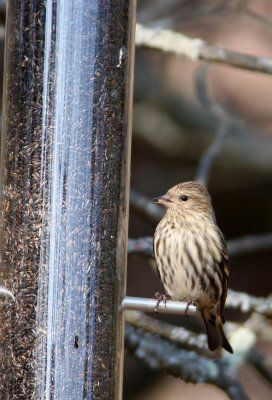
(225, 273)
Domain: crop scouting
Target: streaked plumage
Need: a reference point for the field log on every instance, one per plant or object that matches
(191, 256)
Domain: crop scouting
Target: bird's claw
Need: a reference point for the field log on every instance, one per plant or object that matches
(160, 297)
(190, 301)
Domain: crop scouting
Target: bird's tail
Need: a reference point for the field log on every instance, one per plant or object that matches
(215, 333)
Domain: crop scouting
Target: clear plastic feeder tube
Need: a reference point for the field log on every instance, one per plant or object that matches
(64, 177)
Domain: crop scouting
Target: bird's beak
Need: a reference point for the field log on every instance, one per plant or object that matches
(162, 199)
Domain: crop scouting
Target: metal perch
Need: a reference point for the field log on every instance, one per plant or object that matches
(149, 305)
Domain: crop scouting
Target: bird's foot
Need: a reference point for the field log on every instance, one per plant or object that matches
(190, 301)
(160, 297)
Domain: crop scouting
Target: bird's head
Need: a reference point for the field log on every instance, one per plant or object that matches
(187, 197)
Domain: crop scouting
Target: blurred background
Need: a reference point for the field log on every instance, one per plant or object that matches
(172, 128)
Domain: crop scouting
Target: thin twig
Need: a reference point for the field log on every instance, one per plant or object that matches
(196, 49)
(144, 206)
(220, 55)
(223, 124)
(236, 247)
(250, 244)
(206, 162)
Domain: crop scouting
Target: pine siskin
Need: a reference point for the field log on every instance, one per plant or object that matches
(191, 256)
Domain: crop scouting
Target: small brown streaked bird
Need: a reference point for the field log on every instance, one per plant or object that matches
(192, 258)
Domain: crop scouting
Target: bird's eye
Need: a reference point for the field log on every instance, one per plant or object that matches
(184, 198)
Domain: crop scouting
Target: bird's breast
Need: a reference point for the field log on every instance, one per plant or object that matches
(186, 259)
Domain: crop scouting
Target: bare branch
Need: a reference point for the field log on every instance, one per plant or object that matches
(234, 59)
(168, 41)
(250, 244)
(262, 363)
(160, 354)
(223, 124)
(156, 351)
(142, 246)
(143, 206)
(242, 338)
(177, 335)
(247, 244)
(202, 92)
(246, 302)
(196, 49)
(210, 155)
